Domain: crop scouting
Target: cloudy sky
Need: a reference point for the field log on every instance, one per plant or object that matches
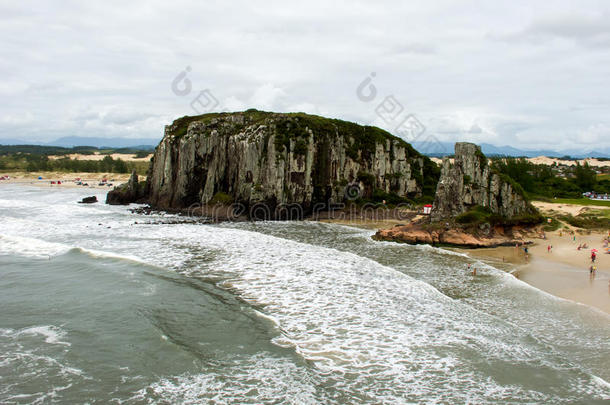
(526, 74)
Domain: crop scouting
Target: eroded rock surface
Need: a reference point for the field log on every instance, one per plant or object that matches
(470, 182)
(416, 234)
(127, 193)
(271, 158)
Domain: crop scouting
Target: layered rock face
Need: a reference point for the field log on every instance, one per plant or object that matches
(259, 157)
(132, 191)
(470, 182)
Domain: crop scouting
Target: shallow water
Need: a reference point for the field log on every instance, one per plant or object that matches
(103, 305)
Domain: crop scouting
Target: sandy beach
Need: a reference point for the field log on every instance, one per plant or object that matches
(543, 160)
(565, 270)
(127, 157)
(92, 180)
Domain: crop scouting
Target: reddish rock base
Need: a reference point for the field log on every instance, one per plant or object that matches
(416, 234)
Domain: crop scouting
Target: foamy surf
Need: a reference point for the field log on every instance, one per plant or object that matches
(32, 247)
(243, 313)
(52, 334)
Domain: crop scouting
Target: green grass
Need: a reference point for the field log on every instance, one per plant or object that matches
(581, 201)
(221, 198)
(293, 125)
(601, 177)
(553, 226)
(481, 215)
(595, 219)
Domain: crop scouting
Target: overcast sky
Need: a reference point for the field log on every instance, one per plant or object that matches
(526, 74)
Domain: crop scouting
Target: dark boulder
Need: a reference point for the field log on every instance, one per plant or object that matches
(88, 200)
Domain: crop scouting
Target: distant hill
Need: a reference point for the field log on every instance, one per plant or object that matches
(441, 149)
(12, 141)
(135, 143)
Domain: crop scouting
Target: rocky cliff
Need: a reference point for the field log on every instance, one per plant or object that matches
(260, 157)
(470, 182)
(132, 191)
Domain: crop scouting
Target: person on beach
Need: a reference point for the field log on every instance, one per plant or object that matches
(593, 257)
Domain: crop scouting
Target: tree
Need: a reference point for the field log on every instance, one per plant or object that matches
(120, 166)
(107, 164)
(585, 177)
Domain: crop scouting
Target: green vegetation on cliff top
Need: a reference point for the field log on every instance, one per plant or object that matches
(292, 131)
(289, 126)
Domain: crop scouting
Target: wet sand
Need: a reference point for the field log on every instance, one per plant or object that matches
(563, 272)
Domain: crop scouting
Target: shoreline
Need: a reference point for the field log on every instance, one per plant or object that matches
(68, 180)
(563, 272)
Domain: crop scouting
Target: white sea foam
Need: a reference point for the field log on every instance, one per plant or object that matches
(110, 255)
(368, 331)
(24, 246)
(348, 314)
(52, 334)
(259, 379)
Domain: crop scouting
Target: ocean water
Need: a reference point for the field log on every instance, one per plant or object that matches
(103, 305)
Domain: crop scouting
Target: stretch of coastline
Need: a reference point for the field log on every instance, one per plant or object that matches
(67, 180)
(563, 272)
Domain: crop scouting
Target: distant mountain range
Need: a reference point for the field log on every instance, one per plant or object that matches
(437, 149)
(447, 148)
(71, 141)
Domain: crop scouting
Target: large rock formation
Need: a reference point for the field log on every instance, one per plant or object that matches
(132, 191)
(469, 182)
(259, 157)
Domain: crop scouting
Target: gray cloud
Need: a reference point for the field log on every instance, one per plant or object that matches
(530, 75)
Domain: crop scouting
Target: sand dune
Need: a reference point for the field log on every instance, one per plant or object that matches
(97, 156)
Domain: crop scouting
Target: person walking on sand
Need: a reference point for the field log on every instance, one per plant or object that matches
(593, 257)
(549, 248)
